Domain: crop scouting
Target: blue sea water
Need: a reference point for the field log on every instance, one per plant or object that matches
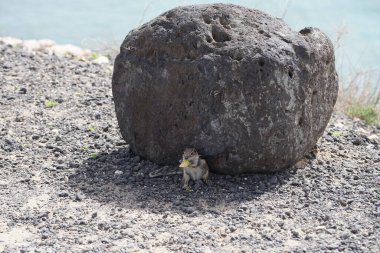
(88, 23)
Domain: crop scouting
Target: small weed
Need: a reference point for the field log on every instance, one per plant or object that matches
(366, 112)
(93, 156)
(336, 134)
(92, 129)
(19, 46)
(93, 56)
(84, 149)
(50, 103)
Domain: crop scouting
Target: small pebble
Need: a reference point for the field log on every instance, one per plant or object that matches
(22, 91)
(63, 194)
(118, 172)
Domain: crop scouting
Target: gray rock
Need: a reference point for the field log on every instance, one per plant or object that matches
(63, 194)
(357, 142)
(79, 197)
(235, 83)
(22, 90)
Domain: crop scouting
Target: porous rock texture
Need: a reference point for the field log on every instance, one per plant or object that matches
(235, 83)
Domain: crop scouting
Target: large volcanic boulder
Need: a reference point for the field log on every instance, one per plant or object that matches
(235, 83)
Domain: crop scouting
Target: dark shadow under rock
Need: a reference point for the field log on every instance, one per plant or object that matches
(122, 178)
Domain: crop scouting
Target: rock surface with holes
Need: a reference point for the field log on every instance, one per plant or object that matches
(235, 83)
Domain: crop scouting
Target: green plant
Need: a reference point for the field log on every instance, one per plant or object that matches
(92, 129)
(84, 149)
(366, 112)
(51, 103)
(359, 89)
(18, 46)
(336, 134)
(93, 56)
(93, 156)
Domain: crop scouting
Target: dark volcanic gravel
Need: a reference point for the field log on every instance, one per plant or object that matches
(69, 183)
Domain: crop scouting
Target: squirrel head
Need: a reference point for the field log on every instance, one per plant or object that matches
(190, 158)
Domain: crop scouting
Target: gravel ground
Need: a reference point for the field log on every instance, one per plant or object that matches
(69, 183)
